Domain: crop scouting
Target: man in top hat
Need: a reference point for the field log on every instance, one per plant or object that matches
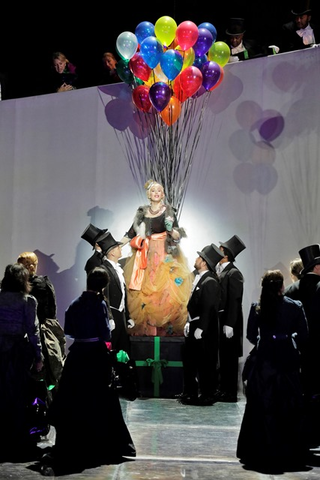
(307, 290)
(200, 351)
(230, 318)
(91, 234)
(300, 32)
(240, 48)
(117, 292)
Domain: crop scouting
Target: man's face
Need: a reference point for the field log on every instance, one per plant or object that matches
(198, 263)
(316, 269)
(235, 40)
(224, 259)
(115, 253)
(97, 247)
(302, 21)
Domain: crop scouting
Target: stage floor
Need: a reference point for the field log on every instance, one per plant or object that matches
(173, 442)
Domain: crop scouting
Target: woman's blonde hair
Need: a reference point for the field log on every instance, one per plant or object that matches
(29, 260)
(150, 183)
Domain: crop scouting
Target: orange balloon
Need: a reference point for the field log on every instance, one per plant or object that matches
(171, 112)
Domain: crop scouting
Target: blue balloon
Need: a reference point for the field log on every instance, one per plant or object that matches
(151, 50)
(199, 61)
(171, 63)
(212, 29)
(144, 30)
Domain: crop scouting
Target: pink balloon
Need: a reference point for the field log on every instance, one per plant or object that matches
(187, 34)
(139, 68)
(190, 80)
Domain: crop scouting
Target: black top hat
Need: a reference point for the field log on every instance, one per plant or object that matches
(235, 245)
(91, 234)
(310, 257)
(106, 242)
(301, 7)
(212, 255)
(236, 26)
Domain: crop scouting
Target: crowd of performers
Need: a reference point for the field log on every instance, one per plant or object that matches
(153, 292)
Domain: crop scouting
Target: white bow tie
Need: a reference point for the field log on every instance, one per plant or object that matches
(306, 34)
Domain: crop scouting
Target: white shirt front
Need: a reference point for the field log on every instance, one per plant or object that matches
(119, 271)
(307, 35)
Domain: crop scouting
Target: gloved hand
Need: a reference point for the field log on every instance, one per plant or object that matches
(112, 325)
(228, 331)
(198, 333)
(186, 329)
(168, 223)
(131, 323)
(274, 49)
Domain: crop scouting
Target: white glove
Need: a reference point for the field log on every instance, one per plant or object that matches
(198, 333)
(186, 329)
(112, 325)
(228, 331)
(131, 323)
(274, 48)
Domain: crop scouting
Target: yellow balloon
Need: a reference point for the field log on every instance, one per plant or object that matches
(159, 74)
(165, 30)
(188, 58)
(219, 52)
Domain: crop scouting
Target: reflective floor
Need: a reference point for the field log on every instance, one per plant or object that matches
(174, 442)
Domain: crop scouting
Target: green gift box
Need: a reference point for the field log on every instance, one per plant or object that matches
(159, 365)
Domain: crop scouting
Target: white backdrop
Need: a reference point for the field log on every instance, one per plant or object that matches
(64, 164)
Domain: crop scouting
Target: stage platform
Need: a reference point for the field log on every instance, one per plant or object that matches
(173, 442)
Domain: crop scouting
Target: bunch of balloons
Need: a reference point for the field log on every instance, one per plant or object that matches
(166, 64)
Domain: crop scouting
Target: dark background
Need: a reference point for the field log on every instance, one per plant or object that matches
(30, 32)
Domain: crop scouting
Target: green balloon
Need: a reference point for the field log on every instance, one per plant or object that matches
(219, 52)
(124, 72)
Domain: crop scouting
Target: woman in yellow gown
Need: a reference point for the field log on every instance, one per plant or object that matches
(157, 275)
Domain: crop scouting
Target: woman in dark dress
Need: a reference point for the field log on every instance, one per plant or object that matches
(52, 335)
(86, 411)
(272, 430)
(157, 275)
(20, 353)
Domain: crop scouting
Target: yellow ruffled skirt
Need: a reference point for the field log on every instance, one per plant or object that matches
(160, 307)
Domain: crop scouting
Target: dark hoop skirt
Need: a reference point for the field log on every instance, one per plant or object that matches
(86, 412)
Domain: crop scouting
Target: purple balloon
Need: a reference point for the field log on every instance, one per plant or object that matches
(160, 94)
(204, 42)
(210, 74)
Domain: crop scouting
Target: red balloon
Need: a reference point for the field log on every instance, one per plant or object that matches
(140, 97)
(187, 34)
(177, 90)
(190, 80)
(139, 68)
